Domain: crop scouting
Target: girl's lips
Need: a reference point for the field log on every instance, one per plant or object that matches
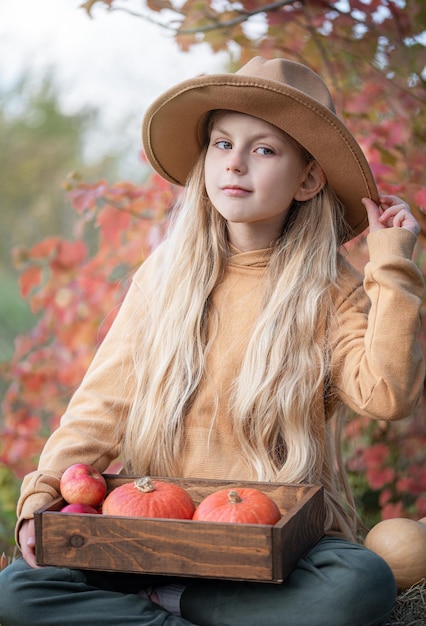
(232, 190)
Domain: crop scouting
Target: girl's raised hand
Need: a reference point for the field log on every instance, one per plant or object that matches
(391, 213)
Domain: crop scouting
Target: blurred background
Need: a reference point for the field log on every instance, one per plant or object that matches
(80, 210)
(72, 94)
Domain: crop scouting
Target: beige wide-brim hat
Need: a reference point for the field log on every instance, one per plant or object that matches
(284, 93)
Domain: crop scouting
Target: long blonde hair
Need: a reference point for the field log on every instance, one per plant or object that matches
(282, 385)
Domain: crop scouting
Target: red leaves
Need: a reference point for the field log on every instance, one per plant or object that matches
(390, 459)
(44, 249)
(69, 254)
(368, 55)
(378, 472)
(112, 223)
(53, 252)
(77, 295)
(85, 196)
(30, 279)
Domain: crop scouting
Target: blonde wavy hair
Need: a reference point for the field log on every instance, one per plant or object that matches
(282, 384)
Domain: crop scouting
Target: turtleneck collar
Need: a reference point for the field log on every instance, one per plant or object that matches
(252, 258)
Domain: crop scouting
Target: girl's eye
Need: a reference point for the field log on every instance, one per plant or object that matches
(223, 144)
(264, 151)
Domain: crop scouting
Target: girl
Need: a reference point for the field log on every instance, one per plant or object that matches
(240, 341)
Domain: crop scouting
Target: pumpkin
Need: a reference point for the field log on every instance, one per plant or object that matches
(401, 542)
(149, 498)
(245, 506)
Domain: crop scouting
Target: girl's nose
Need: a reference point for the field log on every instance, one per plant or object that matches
(235, 162)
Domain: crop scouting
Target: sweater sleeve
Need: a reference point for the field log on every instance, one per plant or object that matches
(377, 365)
(90, 430)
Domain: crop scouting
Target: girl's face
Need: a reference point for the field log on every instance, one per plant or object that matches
(253, 171)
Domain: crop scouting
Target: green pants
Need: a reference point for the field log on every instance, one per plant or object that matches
(336, 584)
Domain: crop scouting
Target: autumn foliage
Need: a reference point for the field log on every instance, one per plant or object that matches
(372, 56)
(76, 293)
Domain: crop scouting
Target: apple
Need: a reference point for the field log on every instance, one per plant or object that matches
(83, 484)
(78, 507)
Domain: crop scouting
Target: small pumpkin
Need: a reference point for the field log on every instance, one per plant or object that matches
(245, 505)
(401, 542)
(145, 497)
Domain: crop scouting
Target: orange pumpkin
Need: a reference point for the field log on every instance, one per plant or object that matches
(244, 506)
(401, 542)
(149, 498)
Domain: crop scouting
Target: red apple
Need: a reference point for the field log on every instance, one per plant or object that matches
(83, 484)
(78, 507)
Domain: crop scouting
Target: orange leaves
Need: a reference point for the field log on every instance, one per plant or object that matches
(69, 254)
(88, 5)
(113, 222)
(51, 251)
(378, 471)
(20, 452)
(44, 249)
(30, 279)
(76, 289)
(159, 5)
(47, 264)
(388, 459)
(374, 70)
(85, 196)
(43, 265)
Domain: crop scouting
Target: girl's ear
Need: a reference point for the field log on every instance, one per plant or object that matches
(312, 183)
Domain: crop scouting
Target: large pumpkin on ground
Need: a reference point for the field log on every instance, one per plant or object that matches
(244, 505)
(401, 543)
(145, 497)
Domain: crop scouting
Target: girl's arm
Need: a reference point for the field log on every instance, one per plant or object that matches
(90, 430)
(378, 366)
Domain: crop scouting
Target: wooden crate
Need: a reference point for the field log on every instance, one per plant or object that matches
(251, 552)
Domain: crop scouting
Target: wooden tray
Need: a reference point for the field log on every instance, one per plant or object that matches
(251, 552)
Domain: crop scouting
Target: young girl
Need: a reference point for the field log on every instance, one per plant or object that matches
(240, 341)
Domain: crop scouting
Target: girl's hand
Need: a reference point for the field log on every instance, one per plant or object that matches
(391, 213)
(27, 542)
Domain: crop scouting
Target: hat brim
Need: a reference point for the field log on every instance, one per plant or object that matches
(172, 135)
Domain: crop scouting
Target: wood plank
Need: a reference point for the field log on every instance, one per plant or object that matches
(185, 547)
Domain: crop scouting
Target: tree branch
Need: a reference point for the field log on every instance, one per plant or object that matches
(242, 17)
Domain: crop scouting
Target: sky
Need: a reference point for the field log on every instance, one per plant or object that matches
(114, 61)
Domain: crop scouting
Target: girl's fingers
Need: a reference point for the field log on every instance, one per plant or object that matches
(400, 217)
(392, 212)
(374, 213)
